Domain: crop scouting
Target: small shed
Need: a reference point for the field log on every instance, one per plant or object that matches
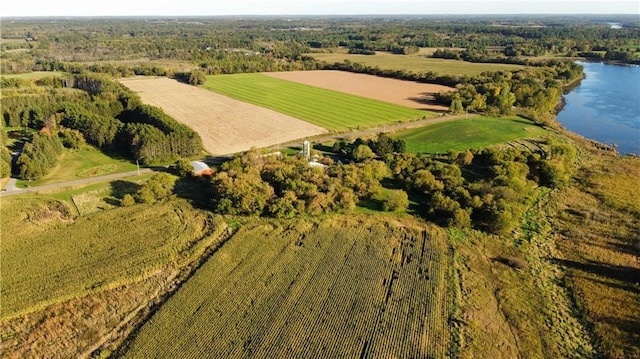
(201, 169)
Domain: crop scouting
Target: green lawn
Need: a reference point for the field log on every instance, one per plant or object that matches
(329, 109)
(74, 165)
(418, 64)
(468, 134)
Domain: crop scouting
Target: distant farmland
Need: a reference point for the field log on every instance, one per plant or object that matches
(298, 289)
(405, 93)
(417, 63)
(224, 124)
(467, 134)
(329, 109)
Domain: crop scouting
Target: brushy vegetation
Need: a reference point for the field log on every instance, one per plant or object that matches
(297, 288)
(329, 109)
(466, 134)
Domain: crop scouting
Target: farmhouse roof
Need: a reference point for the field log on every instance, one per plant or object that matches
(199, 166)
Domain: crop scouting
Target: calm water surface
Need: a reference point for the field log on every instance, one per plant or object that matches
(606, 106)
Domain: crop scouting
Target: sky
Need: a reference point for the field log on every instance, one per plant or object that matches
(311, 7)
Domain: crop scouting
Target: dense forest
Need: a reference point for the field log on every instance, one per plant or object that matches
(89, 109)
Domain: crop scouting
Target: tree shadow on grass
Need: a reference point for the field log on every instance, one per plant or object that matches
(197, 190)
(119, 189)
(371, 203)
(621, 273)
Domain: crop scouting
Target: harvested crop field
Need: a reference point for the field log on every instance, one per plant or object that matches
(335, 289)
(225, 125)
(400, 92)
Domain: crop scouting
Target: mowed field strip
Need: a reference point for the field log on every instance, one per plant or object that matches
(333, 110)
(226, 125)
(470, 133)
(405, 93)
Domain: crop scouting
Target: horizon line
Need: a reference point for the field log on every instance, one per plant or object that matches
(319, 15)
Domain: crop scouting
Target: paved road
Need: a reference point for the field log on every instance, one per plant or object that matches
(12, 190)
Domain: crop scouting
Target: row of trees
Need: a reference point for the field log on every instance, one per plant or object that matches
(364, 149)
(231, 46)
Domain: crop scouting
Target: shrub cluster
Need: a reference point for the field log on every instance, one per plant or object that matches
(256, 185)
(39, 156)
(486, 189)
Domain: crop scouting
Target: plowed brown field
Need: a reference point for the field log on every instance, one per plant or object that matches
(225, 125)
(406, 93)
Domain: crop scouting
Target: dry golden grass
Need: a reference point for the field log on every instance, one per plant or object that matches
(225, 125)
(599, 239)
(73, 328)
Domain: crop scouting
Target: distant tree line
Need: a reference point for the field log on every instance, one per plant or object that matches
(230, 46)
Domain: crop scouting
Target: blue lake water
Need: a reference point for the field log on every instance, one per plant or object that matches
(606, 106)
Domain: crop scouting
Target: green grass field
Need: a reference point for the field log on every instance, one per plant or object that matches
(56, 255)
(337, 289)
(35, 75)
(329, 109)
(417, 64)
(74, 165)
(467, 134)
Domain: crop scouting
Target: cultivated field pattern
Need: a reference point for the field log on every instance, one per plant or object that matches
(332, 110)
(417, 63)
(224, 124)
(323, 291)
(405, 93)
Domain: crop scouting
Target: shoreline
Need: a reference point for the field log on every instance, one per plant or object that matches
(612, 144)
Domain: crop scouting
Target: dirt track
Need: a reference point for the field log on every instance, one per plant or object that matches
(406, 93)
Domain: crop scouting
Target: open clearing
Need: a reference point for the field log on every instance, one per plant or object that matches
(86, 163)
(224, 124)
(343, 288)
(465, 134)
(333, 110)
(405, 93)
(417, 63)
